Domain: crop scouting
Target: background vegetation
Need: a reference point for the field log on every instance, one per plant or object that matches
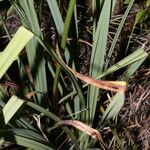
(74, 102)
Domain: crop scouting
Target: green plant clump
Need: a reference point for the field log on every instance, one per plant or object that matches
(43, 104)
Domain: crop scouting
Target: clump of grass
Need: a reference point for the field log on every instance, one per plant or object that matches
(32, 116)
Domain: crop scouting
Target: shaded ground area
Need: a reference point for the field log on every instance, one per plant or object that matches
(135, 115)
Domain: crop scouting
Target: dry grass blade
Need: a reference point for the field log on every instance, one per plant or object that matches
(114, 86)
(85, 128)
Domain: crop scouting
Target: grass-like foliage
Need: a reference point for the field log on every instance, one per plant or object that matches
(49, 79)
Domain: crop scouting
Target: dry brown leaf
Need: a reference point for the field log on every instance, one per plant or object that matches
(86, 129)
(115, 86)
(29, 95)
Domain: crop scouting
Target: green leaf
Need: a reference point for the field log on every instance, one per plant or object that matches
(133, 68)
(56, 16)
(67, 23)
(98, 53)
(26, 138)
(114, 107)
(127, 1)
(118, 32)
(141, 16)
(148, 3)
(9, 55)
(11, 108)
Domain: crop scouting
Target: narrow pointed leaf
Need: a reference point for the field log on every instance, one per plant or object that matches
(114, 107)
(98, 53)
